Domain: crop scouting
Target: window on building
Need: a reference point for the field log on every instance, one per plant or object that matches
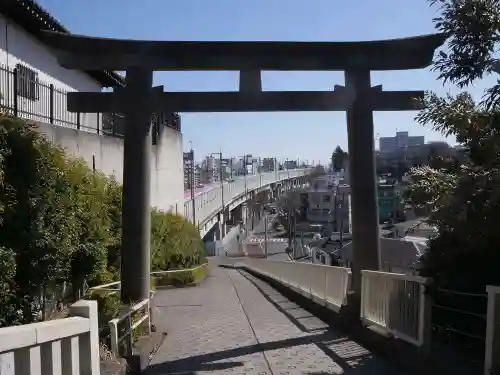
(27, 83)
(326, 198)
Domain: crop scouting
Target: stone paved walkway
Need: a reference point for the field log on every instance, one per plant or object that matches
(236, 324)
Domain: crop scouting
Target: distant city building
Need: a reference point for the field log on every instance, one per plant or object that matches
(413, 156)
(402, 140)
(329, 202)
(211, 172)
(191, 172)
(269, 164)
(290, 164)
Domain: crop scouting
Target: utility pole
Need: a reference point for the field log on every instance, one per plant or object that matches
(193, 203)
(341, 236)
(221, 178)
(265, 234)
(222, 190)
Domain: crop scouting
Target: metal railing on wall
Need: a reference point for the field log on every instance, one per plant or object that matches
(25, 96)
(123, 330)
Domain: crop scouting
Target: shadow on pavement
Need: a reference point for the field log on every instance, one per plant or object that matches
(351, 359)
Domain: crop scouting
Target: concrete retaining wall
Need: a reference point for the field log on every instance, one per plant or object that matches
(106, 154)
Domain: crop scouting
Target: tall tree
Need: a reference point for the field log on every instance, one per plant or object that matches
(464, 201)
(339, 157)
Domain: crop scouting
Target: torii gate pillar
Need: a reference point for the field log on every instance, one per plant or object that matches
(136, 222)
(363, 181)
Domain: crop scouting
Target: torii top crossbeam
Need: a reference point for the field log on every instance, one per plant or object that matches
(82, 52)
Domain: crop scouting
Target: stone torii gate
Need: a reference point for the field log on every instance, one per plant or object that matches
(138, 100)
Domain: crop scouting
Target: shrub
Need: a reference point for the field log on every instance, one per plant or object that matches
(60, 224)
(175, 242)
(38, 223)
(181, 278)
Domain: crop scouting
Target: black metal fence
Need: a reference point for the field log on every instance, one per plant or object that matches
(459, 322)
(23, 95)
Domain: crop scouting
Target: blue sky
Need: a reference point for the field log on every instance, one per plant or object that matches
(304, 135)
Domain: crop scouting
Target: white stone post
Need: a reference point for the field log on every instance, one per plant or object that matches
(88, 343)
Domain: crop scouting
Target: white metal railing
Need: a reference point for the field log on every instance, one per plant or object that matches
(397, 303)
(492, 349)
(63, 346)
(326, 285)
(114, 287)
(117, 335)
(210, 201)
(131, 322)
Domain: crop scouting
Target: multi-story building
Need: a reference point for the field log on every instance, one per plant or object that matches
(290, 164)
(269, 164)
(390, 202)
(402, 140)
(25, 59)
(33, 86)
(192, 175)
(211, 172)
(329, 202)
(413, 155)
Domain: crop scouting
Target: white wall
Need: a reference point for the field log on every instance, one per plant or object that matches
(167, 175)
(18, 46)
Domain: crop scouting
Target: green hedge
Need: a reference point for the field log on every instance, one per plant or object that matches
(181, 277)
(60, 224)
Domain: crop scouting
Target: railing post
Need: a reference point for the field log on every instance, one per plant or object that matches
(97, 123)
(113, 335)
(78, 119)
(425, 317)
(130, 335)
(492, 349)
(15, 92)
(88, 344)
(51, 103)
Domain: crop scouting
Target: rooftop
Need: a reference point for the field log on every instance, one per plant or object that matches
(34, 19)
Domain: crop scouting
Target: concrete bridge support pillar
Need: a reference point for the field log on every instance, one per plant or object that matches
(263, 197)
(253, 203)
(244, 213)
(272, 194)
(226, 218)
(237, 214)
(220, 230)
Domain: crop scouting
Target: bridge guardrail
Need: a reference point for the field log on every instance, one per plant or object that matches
(397, 303)
(326, 285)
(211, 201)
